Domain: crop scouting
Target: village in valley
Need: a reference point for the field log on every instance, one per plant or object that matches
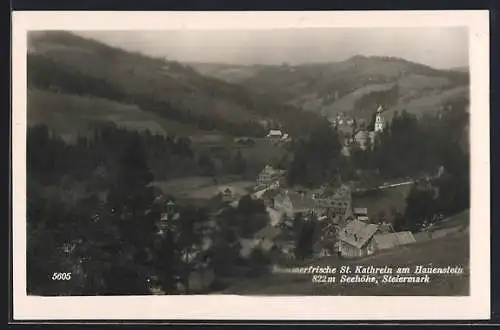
(340, 228)
(153, 175)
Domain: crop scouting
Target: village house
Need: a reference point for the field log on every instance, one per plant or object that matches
(270, 177)
(361, 213)
(286, 138)
(386, 227)
(227, 195)
(293, 203)
(169, 213)
(365, 139)
(268, 197)
(359, 239)
(274, 135)
(355, 239)
(336, 205)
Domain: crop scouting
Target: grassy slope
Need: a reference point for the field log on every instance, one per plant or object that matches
(450, 250)
(228, 72)
(69, 114)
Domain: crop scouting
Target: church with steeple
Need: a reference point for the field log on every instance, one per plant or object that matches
(365, 137)
(379, 121)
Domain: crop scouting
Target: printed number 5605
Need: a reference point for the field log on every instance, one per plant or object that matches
(61, 276)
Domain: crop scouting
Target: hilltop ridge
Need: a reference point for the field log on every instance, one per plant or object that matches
(69, 64)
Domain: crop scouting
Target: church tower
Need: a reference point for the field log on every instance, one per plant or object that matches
(379, 121)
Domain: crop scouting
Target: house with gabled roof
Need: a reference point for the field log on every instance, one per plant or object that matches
(274, 134)
(292, 203)
(270, 177)
(356, 239)
(391, 240)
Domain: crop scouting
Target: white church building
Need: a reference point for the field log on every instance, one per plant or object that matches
(379, 121)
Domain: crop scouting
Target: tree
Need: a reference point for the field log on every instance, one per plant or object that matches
(224, 252)
(251, 216)
(381, 216)
(305, 237)
(239, 163)
(206, 163)
(315, 159)
(371, 123)
(420, 207)
(190, 229)
(399, 222)
(130, 204)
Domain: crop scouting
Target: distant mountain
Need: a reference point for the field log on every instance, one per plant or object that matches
(460, 69)
(357, 85)
(62, 63)
(228, 72)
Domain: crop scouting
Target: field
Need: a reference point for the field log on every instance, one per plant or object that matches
(256, 156)
(202, 187)
(347, 102)
(430, 103)
(450, 250)
(457, 220)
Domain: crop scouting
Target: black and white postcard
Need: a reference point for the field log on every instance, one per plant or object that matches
(251, 165)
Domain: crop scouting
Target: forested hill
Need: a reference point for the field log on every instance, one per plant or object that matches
(62, 63)
(353, 86)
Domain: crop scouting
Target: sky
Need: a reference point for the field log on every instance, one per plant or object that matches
(439, 47)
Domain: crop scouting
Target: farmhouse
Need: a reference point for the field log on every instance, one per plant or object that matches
(337, 205)
(268, 197)
(286, 138)
(275, 134)
(292, 203)
(359, 239)
(355, 239)
(269, 177)
(228, 195)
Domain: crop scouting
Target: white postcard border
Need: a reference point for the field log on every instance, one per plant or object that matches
(224, 307)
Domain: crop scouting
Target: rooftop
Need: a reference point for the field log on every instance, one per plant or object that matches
(268, 232)
(390, 240)
(357, 233)
(274, 132)
(360, 211)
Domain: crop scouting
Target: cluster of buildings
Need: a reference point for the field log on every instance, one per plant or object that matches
(276, 136)
(346, 231)
(352, 132)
